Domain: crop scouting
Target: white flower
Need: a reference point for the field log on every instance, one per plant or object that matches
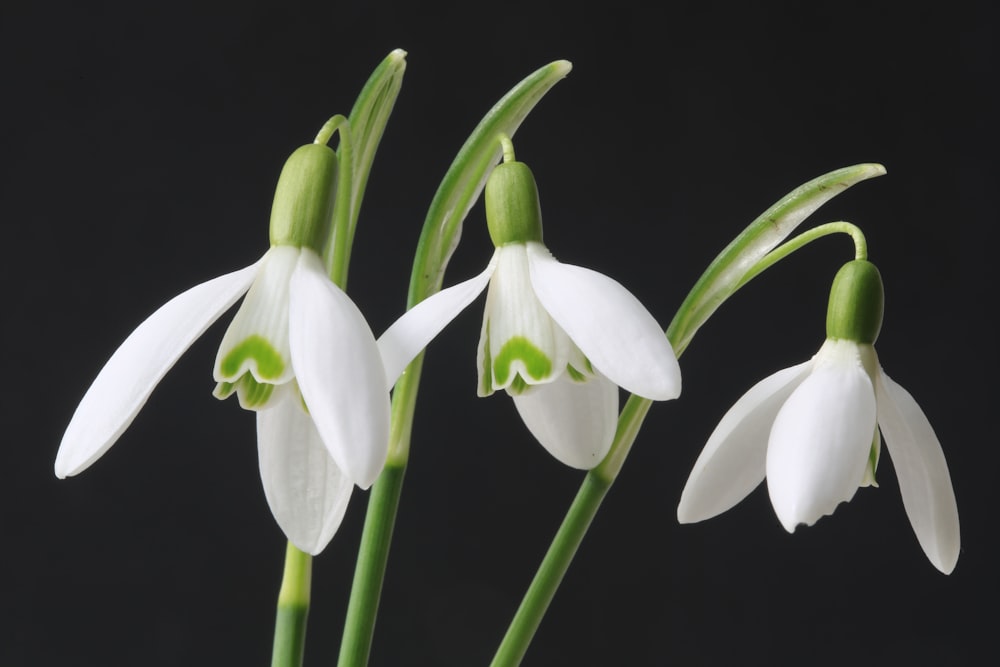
(298, 352)
(813, 431)
(558, 338)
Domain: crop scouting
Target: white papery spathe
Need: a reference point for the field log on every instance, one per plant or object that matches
(587, 332)
(810, 430)
(319, 387)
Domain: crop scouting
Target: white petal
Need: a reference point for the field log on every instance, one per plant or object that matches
(922, 472)
(524, 340)
(126, 381)
(339, 372)
(732, 463)
(819, 445)
(411, 333)
(256, 341)
(306, 491)
(616, 333)
(574, 421)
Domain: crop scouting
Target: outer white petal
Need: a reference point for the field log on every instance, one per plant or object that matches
(820, 441)
(574, 421)
(339, 371)
(411, 333)
(610, 326)
(126, 381)
(923, 476)
(732, 463)
(307, 492)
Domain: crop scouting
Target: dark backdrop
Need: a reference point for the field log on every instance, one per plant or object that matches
(141, 144)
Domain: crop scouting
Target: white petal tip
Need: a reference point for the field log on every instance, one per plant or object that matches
(64, 467)
(668, 392)
(789, 526)
(945, 559)
(945, 569)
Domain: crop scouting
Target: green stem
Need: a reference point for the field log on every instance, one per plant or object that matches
(329, 127)
(808, 236)
(507, 147)
(550, 573)
(342, 239)
(293, 609)
(376, 537)
(337, 253)
(373, 556)
(569, 537)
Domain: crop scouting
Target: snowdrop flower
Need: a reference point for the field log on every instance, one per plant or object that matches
(298, 352)
(558, 338)
(813, 431)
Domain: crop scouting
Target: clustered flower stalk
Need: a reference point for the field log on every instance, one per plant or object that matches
(334, 406)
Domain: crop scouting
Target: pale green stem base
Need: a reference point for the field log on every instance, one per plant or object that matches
(293, 609)
(373, 556)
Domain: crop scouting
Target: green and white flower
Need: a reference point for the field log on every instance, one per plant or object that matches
(812, 431)
(298, 352)
(560, 339)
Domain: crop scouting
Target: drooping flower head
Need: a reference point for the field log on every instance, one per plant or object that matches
(298, 352)
(559, 339)
(813, 431)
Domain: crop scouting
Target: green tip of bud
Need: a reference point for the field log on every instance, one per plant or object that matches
(856, 303)
(513, 213)
(303, 199)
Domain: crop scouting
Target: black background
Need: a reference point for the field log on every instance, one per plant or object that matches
(141, 144)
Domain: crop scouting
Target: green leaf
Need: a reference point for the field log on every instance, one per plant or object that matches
(368, 119)
(360, 135)
(725, 274)
(467, 175)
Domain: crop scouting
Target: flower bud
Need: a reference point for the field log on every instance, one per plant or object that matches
(513, 213)
(856, 302)
(303, 199)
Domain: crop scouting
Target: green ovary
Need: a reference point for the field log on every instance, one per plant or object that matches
(536, 364)
(270, 365)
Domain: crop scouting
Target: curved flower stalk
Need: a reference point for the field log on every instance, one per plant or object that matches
(812, 431)
(298, 352)
(560, 339)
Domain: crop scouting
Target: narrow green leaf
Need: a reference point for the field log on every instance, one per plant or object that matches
(467, 175)
(368, 120)
(724, 275)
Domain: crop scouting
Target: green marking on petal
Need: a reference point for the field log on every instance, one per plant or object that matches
(253, 395)
(536, 364)
(873, 456)
(256, 347)
(575, 375)
(517, 386)
(224, 390)
(485, 373)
